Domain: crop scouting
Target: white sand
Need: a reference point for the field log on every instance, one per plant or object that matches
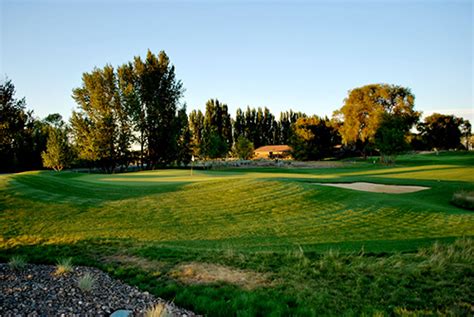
(376, 188)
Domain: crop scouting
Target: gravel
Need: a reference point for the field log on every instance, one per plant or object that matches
(38, 291)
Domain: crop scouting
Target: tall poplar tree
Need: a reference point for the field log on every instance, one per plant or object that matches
(99, 127)
(159, 93)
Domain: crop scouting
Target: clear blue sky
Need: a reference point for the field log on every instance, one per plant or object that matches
(279, 54)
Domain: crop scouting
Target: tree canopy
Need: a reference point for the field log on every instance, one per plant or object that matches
(443, 132)
(363, 110)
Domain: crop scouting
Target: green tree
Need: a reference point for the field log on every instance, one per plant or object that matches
(135, 114)
(364, 108)
(217, 134)
(58, 152)
(22, 137)
(284, 129)
(390, 138)
(313, 138)
(441, 131)
(243, 148)
(466, 133)
(196, 127)
(99, 127)
(185, 150)
(159, 93)
(239, 124)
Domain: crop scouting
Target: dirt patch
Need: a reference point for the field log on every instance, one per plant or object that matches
(134, 261)
(206, 273)
(376, 188)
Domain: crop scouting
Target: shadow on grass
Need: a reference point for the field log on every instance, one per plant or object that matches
(46, 186)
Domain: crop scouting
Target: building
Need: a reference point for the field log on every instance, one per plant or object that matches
(273, 151)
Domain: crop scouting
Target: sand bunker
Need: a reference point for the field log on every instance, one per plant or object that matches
(376, 188)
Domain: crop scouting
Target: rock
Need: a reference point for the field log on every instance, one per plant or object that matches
(39, 293)
(121, 313)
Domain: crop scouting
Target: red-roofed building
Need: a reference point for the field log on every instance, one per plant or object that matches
(273, 151)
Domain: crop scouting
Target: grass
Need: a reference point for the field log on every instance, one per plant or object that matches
(274, 223)
(17, 262)
(158, 310)
(86, 282)
(64, 266)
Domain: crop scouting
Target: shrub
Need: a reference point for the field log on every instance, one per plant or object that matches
(64, 266)
(463, 199)
(86, 282)
(17, 262)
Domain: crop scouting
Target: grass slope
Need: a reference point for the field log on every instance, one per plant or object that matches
(249, 219)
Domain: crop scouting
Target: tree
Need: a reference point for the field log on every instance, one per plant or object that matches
(101, 133)
(390, 138)
(196, 127)
(57, 154)
(243, 148)
(364, 108)
(185, 150)
(21, 136)
(284, 129)
(313, 138)
(135, 115)
(466, 133)
(217, 133)
(441, 131)
(159, 93)
(239, 124)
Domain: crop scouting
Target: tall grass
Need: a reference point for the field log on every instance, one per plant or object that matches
(17, 262)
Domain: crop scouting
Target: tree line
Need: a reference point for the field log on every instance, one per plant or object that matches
(133, 114)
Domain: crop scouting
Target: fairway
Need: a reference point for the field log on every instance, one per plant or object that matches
(243, 209)
(169, 214)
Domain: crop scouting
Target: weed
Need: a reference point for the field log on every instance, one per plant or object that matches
(64, 266)
(17, 262)
(86, 282)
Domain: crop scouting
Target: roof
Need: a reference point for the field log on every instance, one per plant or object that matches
(274, 148)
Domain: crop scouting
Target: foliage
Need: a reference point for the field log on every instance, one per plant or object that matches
(99, 128)
(159, 92)
(17, 262)
(217, 130)
(463, 199)
(22, 137)
(64, 266)
(185, 150)
(58, 152)
(243, 148)
(196, 127)
(443, 132)
(390, 138)
(363, 111)
(313, 138)
(87, 282)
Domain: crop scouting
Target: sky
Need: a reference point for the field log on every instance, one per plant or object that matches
(303, 55)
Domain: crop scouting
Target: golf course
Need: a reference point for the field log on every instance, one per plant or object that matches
(260, 241)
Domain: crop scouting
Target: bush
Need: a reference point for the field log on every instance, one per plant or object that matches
(463, 199)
